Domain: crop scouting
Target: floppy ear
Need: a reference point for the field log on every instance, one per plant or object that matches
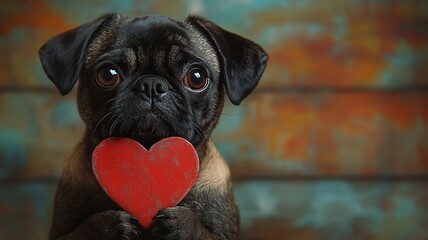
(63, 55)
(242, 61)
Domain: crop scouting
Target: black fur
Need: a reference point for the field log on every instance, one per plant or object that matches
(152, 56)
(243, 62)
(62, 56)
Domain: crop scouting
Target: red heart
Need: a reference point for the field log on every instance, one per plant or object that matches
(142, 182)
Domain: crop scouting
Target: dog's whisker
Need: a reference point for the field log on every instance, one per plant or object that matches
(123, 125)
(112, 118)
(118, 120)
(229, 114)
(99, 122)
(109, 101)
(116, 106)
(113, 126)
(198, 130)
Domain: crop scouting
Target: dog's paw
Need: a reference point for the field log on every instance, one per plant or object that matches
(125, 226)
(114, 224)
(176, 223)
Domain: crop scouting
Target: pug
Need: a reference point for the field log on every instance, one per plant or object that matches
(149, 78)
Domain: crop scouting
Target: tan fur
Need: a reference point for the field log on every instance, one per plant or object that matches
(214, 173)
(98, 45)
(203, 45)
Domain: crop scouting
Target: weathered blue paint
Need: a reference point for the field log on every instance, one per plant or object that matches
(39, 73)
(400, 68)
(78, 12)
(333, 209)
(340, 30)
(64, 114)
(333, 205)
(26, 210)
(13, 152)
(243, 146)
(231, 119)
(21, 112)
(236, 14)
(16, 36)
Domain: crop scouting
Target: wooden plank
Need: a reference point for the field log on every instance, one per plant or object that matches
(345, 44)
(377, 44)
(37, 133)
(330, 135)
(25, 27)
(309, 135)
(269, 210)
(332, 210)
(26, 210)
(282, 135)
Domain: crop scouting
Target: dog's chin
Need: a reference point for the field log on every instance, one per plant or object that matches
(147, 130)
(147, 139)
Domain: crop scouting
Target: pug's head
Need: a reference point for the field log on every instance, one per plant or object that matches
(152, 77)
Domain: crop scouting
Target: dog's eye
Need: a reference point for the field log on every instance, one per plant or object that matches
(108, 77)
(196, 80)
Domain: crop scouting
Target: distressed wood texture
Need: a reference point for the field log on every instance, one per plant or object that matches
(37, 133)
(360, 134)
(332, 145)
(311, 43)
(26, 210)
(286, 135)
(301, 210)
(270, 210)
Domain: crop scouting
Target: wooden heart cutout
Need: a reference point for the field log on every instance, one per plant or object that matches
(142, 182)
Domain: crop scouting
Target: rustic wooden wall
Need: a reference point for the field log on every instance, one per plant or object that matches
(332, 145)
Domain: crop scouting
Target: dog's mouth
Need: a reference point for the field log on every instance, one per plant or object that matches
(147, 128)
(146, 132)
(146, 140)
(147, 137)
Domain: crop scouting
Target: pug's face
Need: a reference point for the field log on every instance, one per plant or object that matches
(152, 77)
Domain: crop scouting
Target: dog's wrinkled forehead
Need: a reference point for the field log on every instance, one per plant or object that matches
(148, 40)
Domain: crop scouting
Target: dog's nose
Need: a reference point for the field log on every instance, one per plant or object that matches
(151, 87)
